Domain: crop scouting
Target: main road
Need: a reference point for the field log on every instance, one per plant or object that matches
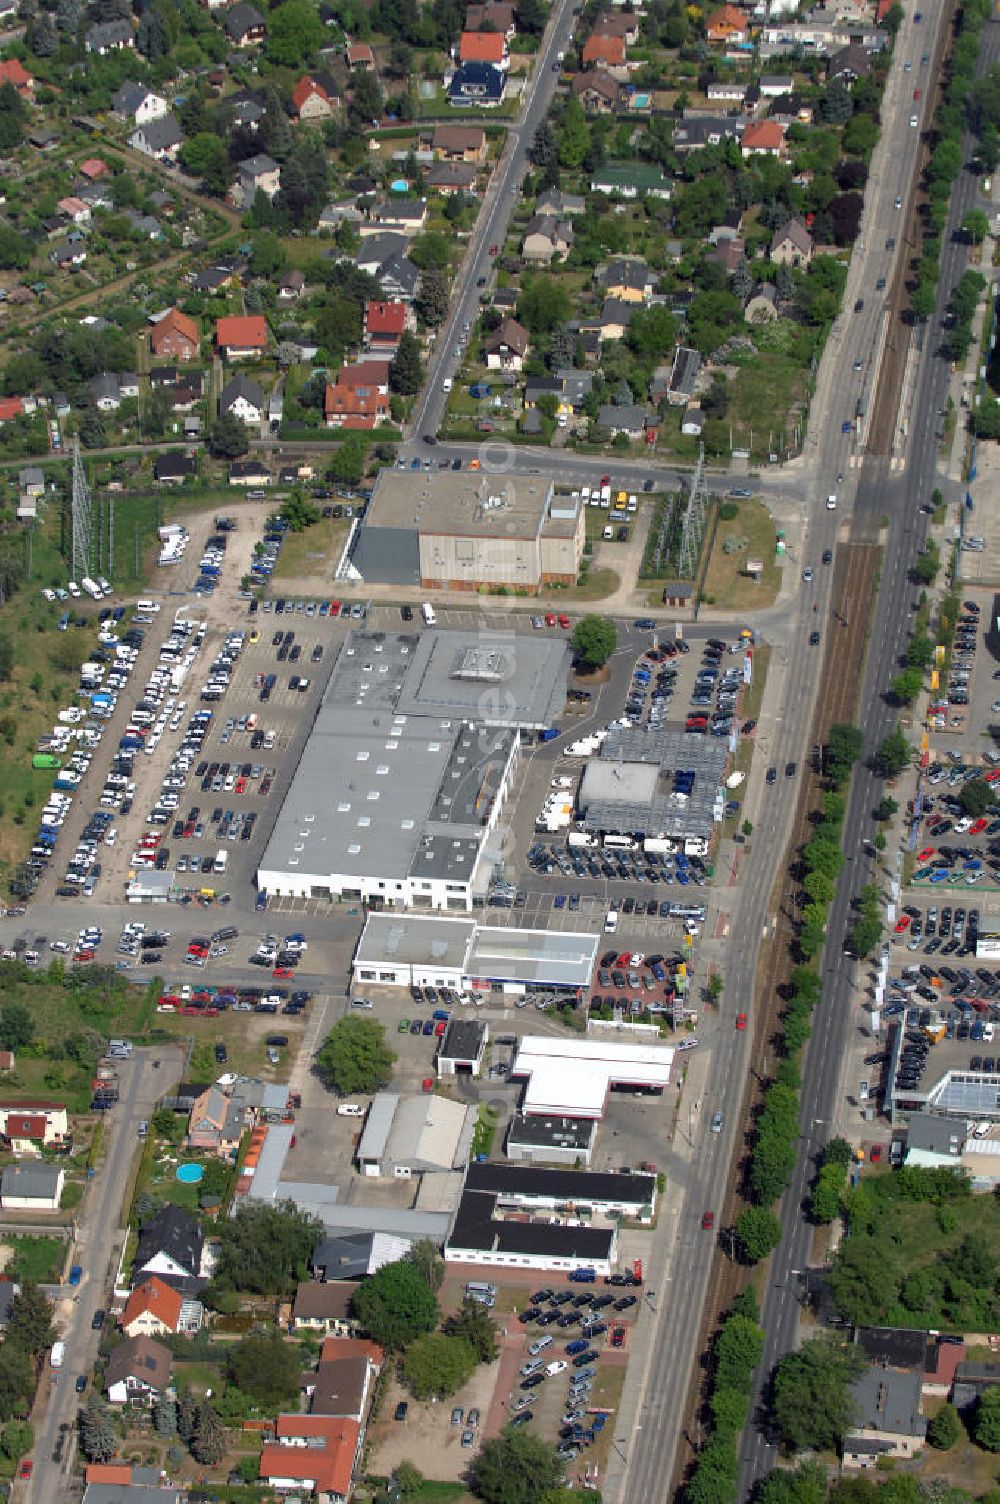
(834, 467)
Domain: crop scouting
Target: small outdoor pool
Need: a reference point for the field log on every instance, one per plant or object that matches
(640, 101)
(399, 185)
(190, 1174)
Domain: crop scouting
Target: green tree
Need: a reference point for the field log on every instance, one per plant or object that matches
(975, 226)
(885, 809)
(354, 1057)
(944, 1429)
(264, 1249)
(268, 256)
(409, 1479)
(758, 1233)
(347, 464)
(205, 156)
(986, 418)
(893, 755)
(406, 371)
(516, 1467)
(827, 1191)
(227, 437)
(864, 935)
(594, 640)
(18, 1439)
(433, 297)
(975, 797)
(266, 1367)
(294, 33)
(17, 1027)
(425, 1256)
(907, 685)
(15, 250)
(208, 1444)
(543, 304)
(98, 1439)
(572, 135)
(925, 570)
(435, 1365)
(396, 1305)
(298, 512)
(812, 1404)
(474, 1325)
(863, 1280)
(843, 748)
(805, 1484)
(30, 1322)
(923, 299)
(986, 1421)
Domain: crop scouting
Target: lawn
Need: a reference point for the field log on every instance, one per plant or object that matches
(751, 535)
(762, 397)
(314, 551)
(37, 1259)
(599, 584)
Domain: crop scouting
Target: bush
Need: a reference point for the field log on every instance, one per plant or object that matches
(728, 511)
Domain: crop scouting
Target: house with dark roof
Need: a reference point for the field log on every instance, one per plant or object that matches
(460, 143)
(110, 36)
(889, 1420)
(683, 375)
(244, 25)
(174, 468)
(479, 84)
(630, 420)
(32, 1187)
(849, 63)
(161, 138)
(507, 346)
(596, 90)
(259, 174)
(451, 177)
(170, 1245)
(292, 285)
(792, 245)
(138, 103)
(355, 1255)
(546, 237)
(137, 1369)
(561, 205)
(249, 472)
(242, 398)
(324, 1307)
(631, 180)
(626, 277)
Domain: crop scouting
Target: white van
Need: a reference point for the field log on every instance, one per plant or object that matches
(540, 1345)
(350, 1110)
(446, 384)
(611, 922)
(427, 612)
(153, 606)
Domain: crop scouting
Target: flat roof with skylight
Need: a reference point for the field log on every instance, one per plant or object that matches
(572, 1077)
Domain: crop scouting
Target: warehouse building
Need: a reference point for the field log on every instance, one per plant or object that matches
(650, 781)
(551, 1140)
(409, 766)
(404, 950)
(407, 1136)
(469, 531)
(523, 1217)
(571, 1078)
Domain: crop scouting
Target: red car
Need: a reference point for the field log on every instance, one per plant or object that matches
(618, 1336)
(564, 622)
(550, 620)
(926, 854)
(24, 1471)
(876, 1153)
(978, 826)
(741, 1021)
(916, 94)
(494, 249)
(440, 1027)
(902, 924)
(334, 608)
(282, 971)
(605, 480)
(427, 1085)
(708, 1221)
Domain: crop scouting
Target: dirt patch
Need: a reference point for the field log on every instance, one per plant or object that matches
(427, 1437)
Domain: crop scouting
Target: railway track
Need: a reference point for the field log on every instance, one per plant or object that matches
(854, 590)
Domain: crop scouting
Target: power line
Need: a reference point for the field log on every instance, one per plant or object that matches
(694, 520)
(80, 561)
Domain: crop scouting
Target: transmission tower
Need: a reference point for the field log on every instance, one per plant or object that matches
(694, 521)
(81, 516)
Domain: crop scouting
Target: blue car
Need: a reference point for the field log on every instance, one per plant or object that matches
(416, 1027)
(579, 1346)
(559, 902)
(892, 1009)
(428, 1026)
(441, 1015)
(414, 464)
(940, 876)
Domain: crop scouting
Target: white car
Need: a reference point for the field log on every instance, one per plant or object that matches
(687, 1044)
(831, 503)
(807, 575)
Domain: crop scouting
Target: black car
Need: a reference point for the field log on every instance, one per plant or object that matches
(626, 1302)
(532, 1313)
(790, 769)
(547, 1318)
(97, 1320)
(406, 612)
(401, 1409)
(430, 438)
(542, 1295)
(771, 775)
(561, 1297)
(814, 639)
(221, 1054)
(828, 556)
(532, 1382)
(601, 1302)
(587, 1299)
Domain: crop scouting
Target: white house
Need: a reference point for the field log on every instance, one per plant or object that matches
(243, 399)
(32, 1188)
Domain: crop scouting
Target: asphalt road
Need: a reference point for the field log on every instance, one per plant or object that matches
(880, 493)
(144, 1079)
(491, 225)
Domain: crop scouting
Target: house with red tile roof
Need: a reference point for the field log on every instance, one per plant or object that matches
(11, 407)
(360, 56)
(384, 325)
(727, 24)
(175, 337)
(763, 138)
(610, 51)
(13, 71)
(483, 47)
(153, 1309)
(239, 338)
(27, 1125)
(312, 1454)
(360, 396)
(94, 169)
(311, 99)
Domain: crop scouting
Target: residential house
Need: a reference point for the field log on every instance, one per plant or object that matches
(608, 52)
(728, 253)
(312, 1454)
(628, 278)
(241, 338)
(174, 337)
(27, 1125)
(631, 421)
(13, 72)
(138, 1369)
(260, 174)
(499, 15)
(775, 85)
(8, 1289)
(31, 481)
(631, 180)
(728, 25)
(153, 1309)
(43, 140)
(174, 467)
(762, 305)
(726, 91)
(360, 58)
(763, 138)
(69, 255)
(375, 250)
(244, 108)
(244, 25)
(792, 245)
(694, 131)
(506, 348)
(106, 392)
(170, 1246)
(451, 177)
(396, 215)
(460, 143)
(138, 104)
(384, 325)
(480, 84)
(483, 47)
(324, 1307)
(561, 205)
(683, 376)
(360, 396)
(249, 473)
(146, 225)
(31, 1188)
(537, 387)
(618, 25)
(612, 321)
(75, 210)
(941, 1363)
(889, 1420)
(849, 63)
(292, 285)
(160, 139)
(596, 90)
(109, 36)
(546, 237)
(312, 101)
(576, 387)
(693, 422)
(10, 408)
(242, 398)
(344, 1378)
(399, 277)
(94, 168)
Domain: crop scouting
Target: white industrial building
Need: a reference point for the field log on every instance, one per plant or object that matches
(571, 1078)
(407, 1136)
(409, 767)
(403, 950)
